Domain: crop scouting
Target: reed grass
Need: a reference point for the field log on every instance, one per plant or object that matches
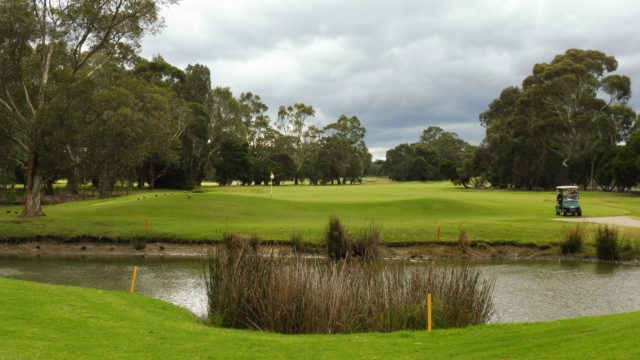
(341, 244)
(295, 295)
(607, 243)
(573, 240)
(463, 242)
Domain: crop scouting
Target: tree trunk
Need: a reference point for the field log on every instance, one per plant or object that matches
(592, 178)
(32, 205)
(152, 177)
(48, 187)
(73, 183)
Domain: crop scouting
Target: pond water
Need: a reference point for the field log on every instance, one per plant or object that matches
(524, 290)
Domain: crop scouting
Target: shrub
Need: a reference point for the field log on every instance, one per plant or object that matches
(573, 241)
(297, 295)
(607, 243)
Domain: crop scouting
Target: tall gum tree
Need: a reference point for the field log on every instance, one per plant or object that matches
(569, 87)
(49, 45)
(292, 122)
(559, 124)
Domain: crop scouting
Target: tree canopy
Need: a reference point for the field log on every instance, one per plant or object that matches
(560, 124)
(78, 103)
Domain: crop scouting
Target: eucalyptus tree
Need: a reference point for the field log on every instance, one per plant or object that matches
(569, 87)
(195, 148)
(47, 46)
(255, 119)
(8, 166)
(567, 113)
(172, 116)
(437, 155)
(292, 123)
(345, 150)
(131, 121)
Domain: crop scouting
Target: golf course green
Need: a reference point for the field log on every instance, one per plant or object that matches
(41, 321)
(406, 212)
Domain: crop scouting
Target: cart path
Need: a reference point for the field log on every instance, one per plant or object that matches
(609, 220)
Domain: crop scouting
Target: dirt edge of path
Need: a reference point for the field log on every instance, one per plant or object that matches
(605, 220)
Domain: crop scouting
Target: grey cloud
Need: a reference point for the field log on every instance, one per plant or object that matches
(399, 66)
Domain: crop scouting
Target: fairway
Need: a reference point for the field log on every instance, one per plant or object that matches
(61, 322)
(406, 212)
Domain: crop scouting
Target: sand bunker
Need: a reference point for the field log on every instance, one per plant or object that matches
(609, 220)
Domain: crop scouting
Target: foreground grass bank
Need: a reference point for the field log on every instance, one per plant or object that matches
(406, 212)
(58, 322)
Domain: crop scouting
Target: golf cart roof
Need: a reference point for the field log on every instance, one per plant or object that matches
(567, 187)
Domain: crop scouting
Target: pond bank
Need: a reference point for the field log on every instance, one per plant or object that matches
(97, 246)
(88, 246)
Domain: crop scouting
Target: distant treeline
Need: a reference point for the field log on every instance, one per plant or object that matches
(148, 122)
(78, 103)
(569, 123)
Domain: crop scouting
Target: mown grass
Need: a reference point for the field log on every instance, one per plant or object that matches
(406, 212)
(40, 321)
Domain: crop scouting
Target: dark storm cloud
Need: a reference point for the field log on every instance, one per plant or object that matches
(399, 66)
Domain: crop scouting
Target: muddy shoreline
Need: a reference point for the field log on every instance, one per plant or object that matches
(103, 247)
(89, 246)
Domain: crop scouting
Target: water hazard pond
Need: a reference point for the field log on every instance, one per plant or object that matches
(524, 290)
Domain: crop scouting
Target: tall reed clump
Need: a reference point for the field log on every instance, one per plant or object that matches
(139, 243)
(341, 244)
(573, 240)
(297, 243)
(463, 242)
(234, 241)
(629, 248)
(607, 243)
(295, 295)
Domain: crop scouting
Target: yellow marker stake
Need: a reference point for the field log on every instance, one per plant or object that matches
(429, 312)
(133, 281)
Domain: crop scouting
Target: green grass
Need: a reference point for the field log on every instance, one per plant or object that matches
(39, 321)
(404, 212)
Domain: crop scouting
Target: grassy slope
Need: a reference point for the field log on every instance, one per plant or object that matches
(40, 321)
(405, 211)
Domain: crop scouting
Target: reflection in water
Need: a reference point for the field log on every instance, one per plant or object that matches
(179, 281)
(606, 269)
(540, 291)
(524, 290)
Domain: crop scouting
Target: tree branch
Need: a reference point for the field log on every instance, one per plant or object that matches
(105, 37)
(28, 99)
(16, 140)
(11, 106)
(77, 50)
(45, 77)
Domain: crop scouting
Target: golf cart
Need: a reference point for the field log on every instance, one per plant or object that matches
(568, 201)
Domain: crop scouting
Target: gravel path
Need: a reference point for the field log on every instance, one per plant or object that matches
(609, 220)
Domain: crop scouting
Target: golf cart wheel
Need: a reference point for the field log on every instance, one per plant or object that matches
(579, 212)
(564, 212)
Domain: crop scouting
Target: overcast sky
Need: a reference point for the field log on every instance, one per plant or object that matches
(399, 66)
